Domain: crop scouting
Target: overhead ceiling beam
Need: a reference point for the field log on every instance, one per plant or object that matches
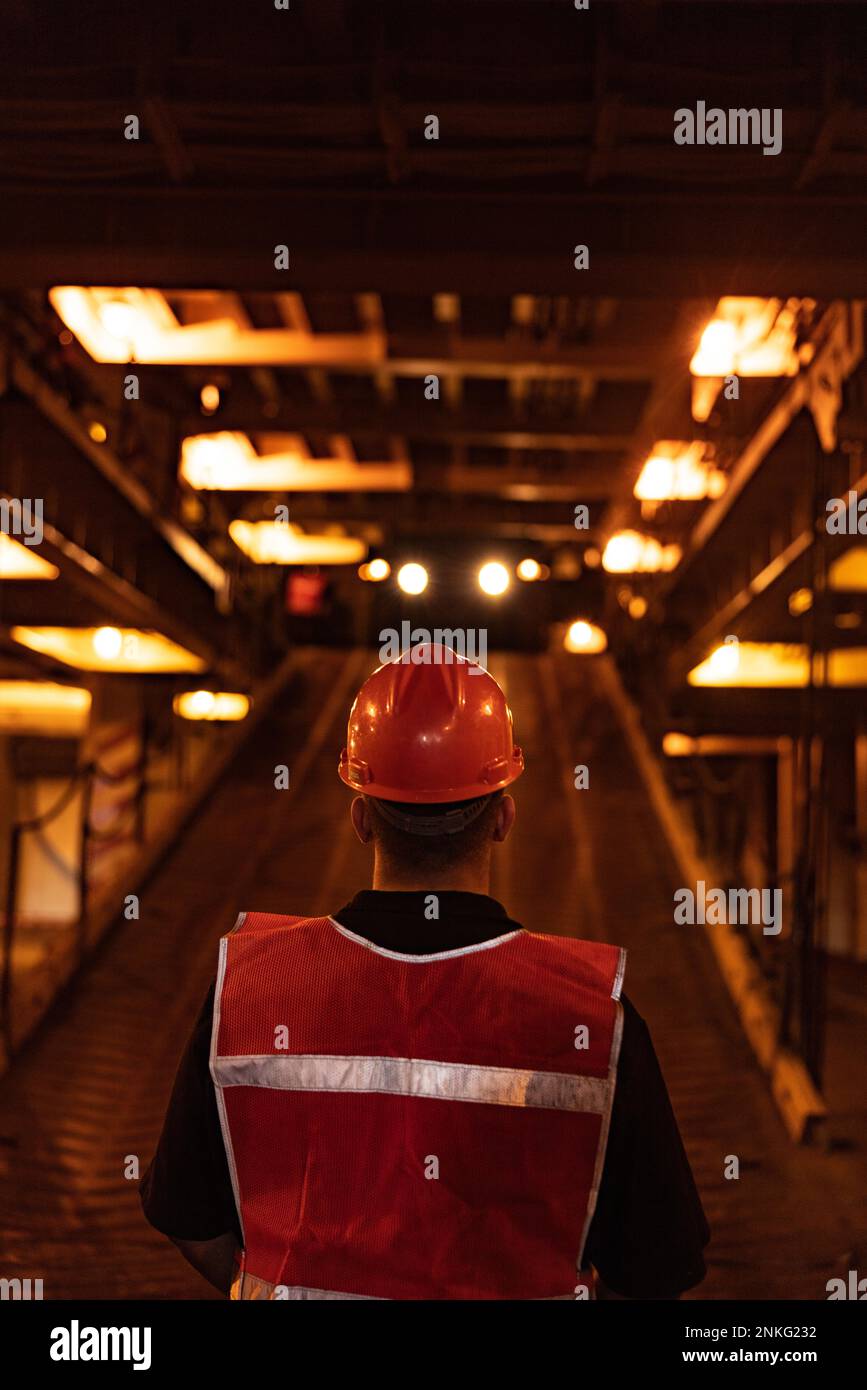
(839, 340)
(645, 245)
(428, 511)
(490, 428)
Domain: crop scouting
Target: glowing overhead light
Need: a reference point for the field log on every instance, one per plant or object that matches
(637, 607)
(412, 578)
(677, 472)
(848, 573)
(43, 707)
(746, 337)
(847, 622)
(279, 543)
(783, 665)
(19, 561)
(629, 552)
(209, 397)
(107, 643)
(530, 570)
(97, 431)
(592, 558)
(753, 664)
(724, 661)
(118, 317)
(676, 745)
(114, 325)
(223, 705)
(227, 461)
(131, 650)
(131, 324)
(375, 571)
(585, 638)
(715, 355)
(800, 602)
(493, 578)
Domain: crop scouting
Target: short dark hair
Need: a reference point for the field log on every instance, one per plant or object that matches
(432, 853)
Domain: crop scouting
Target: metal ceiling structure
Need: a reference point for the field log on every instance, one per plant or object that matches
(408, 257)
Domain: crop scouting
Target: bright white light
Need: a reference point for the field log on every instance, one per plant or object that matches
(493, 578)
(585, 638)
(282, 543)
(378, 570)
(119, 319)
(724, 660)
(412, 578)
(19, 561)
(716, 351)
(212, 705)
(677, 472)
(107, 642)
(529, 570)
(628, 552)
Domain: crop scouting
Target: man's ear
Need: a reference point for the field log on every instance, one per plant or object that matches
(360, 817)
(505, 819)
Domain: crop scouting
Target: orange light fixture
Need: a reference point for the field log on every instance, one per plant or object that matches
(128, 650)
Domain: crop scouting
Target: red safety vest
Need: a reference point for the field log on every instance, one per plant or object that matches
(413, 1127)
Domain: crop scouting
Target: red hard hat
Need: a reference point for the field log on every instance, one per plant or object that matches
(430, 727)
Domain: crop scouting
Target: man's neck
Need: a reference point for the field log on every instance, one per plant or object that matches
(468, 879)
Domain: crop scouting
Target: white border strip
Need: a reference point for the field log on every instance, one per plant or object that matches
(433, 955)
(616, 1039)
(221, 1105)
(618, 978)
(404, 1076)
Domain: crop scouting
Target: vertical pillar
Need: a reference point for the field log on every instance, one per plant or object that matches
(786, 828)
(860, 924)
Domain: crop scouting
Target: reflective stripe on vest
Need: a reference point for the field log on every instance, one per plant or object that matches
(413, 1127)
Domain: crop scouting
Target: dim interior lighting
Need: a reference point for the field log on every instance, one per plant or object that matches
(493, 578)
(18, 561)
(800, 602)
(677, 472)
(375, 571)
(847, 622)
(592, 558)
(209, 397)
(212, 705)
(107, 642)
(628, 552)
(637, 606)
(584, 638)
(97, 431)
(227, 461)
(129, 650)
(43, 707)
(281, 543)
(848, 573)
(412, 578)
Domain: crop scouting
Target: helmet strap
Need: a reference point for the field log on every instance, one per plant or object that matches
(446, 823)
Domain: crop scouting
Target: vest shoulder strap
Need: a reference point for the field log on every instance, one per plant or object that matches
(249, 922)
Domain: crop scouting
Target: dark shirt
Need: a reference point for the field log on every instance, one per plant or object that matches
(648, 1231)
